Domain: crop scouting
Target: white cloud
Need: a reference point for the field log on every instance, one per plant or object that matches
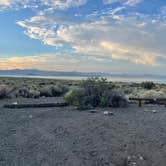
(63, 4)
(42, 28)
(43, 61)
(133, 2)
(125, 2)
(136, 38)
(111, 1)
(18, 4)
(47, 4)
(51, 62)
(120, 52)
(118, 37)
(5, 2)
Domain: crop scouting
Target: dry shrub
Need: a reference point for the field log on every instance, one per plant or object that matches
(148, 94)
(27, 93)
(53, 90)
(154, 94)
(4, 91)
(95, 92)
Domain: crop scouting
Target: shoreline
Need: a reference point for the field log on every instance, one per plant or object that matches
(122, 79)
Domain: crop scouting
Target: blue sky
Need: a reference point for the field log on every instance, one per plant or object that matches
(119, 36)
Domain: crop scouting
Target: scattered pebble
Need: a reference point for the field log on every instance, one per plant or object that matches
(111, 113)
(128, 158)
(30, 116)
(105, 112)
(93, 153)
(154, 111)
(141, 158)
(133, 157)
(15, 103)
(93, 111)
(133, 163)
(146, 110)
(108, 113)
(134, 160)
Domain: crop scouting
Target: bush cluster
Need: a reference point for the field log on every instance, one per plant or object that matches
(53, 90)
(32, 91)
(153, 94)
(27, 93)
(95, 92)
(4, 91)
(147, 85)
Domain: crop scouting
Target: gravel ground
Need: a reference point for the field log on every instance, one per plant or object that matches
(66, 137)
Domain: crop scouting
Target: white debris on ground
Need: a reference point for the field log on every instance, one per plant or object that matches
(134, 160)
(141, 158)
(108, 113)
(105, 112)
(154, 111)
(15, 103)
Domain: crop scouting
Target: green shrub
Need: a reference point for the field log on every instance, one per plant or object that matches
(153, 94)
(27, 93)
(113, 98)
(142, 93)
(95, 92)
(33, 94)
(147, 85)
(58, 90)
(22, 92)
(4, 91)
(53, 90)
(77, 98)
(45, 91)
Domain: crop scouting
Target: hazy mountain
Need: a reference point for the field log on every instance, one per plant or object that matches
(35, 72)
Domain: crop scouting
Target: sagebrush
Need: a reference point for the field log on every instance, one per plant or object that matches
(95, 92)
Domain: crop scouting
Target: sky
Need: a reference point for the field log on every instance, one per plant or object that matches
(117, 36)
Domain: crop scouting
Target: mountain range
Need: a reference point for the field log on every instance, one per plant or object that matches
(35, 72)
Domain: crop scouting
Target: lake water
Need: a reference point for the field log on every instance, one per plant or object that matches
(113, 78)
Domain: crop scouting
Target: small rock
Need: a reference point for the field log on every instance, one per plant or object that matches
(30, 116)
(93, 111)
(93, 153)
(154, 111)
(133, 163)
(111, 113)
(15, 103)
(108, 113)
(141, 158)
(133, 156)
(128, 158)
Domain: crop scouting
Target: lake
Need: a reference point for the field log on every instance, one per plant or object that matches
(112, 78)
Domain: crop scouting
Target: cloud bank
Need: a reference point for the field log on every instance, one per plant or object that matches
(118, 33)
(54, 4)
(129, 38)
(124, 2)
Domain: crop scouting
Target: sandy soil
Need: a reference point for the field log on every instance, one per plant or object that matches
(67, 137)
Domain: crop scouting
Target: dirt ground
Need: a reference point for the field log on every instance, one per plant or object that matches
(66, 137)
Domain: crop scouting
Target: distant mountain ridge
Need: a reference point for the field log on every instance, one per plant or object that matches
(35, 72)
